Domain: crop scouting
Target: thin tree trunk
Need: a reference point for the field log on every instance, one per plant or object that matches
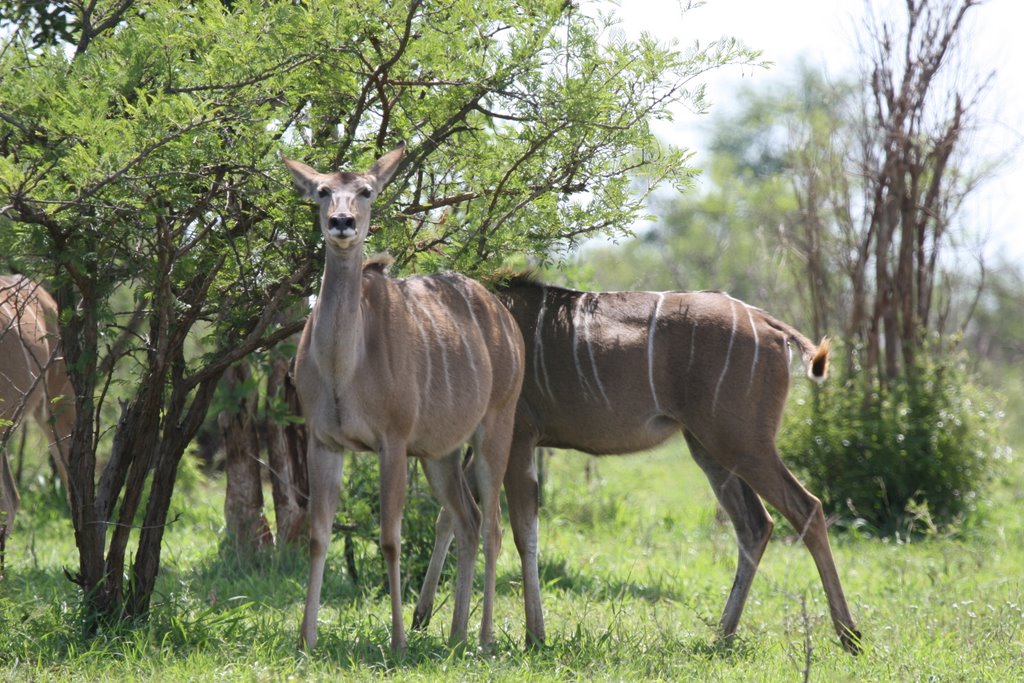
(182, 421)
(243, 503)
(79, 339)
(286, 451)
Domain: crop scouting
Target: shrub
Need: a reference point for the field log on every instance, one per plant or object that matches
(919, 451)
(360, 511)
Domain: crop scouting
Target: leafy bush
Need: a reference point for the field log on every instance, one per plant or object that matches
(913, 456)
(360, 512)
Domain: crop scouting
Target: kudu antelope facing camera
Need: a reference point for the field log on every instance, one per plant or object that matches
(412, 367)
(620, 372)
(33, 380)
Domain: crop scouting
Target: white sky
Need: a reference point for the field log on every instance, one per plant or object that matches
(824, 33)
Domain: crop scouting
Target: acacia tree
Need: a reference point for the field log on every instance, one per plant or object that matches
(138, 172)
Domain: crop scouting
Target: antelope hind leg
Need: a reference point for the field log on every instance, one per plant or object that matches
(444, 534)
(523, 492)
(461, 519)
(777, 485)
(491, 446)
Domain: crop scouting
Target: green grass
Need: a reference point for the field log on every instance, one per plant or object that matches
(636, 570)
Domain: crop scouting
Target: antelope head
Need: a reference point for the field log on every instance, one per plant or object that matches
(344, 198)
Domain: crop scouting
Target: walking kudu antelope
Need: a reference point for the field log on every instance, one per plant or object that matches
(33, 380)
(620, 372)
(416, 367)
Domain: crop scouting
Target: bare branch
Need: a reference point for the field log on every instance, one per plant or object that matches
(91, 28)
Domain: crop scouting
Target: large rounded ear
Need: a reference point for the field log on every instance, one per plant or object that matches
(385, 167)
(306, 179)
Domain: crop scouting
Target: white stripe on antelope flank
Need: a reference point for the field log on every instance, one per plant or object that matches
(539, 365)
(593, 360)
(443, 345)
(728, 354)
(426, 344)
(651, 327)
(457, 286)
(584, 383)
(757, 346)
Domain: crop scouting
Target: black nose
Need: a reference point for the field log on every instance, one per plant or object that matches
(341, 222)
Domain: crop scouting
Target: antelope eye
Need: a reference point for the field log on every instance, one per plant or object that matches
(365, 193)
(323, 192)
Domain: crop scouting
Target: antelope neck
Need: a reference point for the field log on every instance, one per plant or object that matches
(339, 330)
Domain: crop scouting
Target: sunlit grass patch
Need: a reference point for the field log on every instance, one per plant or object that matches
(635, 566)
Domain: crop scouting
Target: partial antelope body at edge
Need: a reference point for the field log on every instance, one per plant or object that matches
(33, 380)
(405, 367)
(621, 372)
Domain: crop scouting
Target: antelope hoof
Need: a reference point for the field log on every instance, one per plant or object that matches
(421, 618)
(399, 647)
(534, 643)
(851, 640)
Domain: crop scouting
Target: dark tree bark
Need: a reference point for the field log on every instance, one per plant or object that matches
(286, 451)
(243, 502)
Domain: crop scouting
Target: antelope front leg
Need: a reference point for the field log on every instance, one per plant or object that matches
(751, 522)
(393, 461)
(325, 468)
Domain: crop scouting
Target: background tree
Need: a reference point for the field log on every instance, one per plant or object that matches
(918, 116)
(862, 186)
(137, 165)
(839, 209)
(749, 230)
(41, 23)
(906, 435)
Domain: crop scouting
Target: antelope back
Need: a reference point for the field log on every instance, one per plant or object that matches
(618, 372)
